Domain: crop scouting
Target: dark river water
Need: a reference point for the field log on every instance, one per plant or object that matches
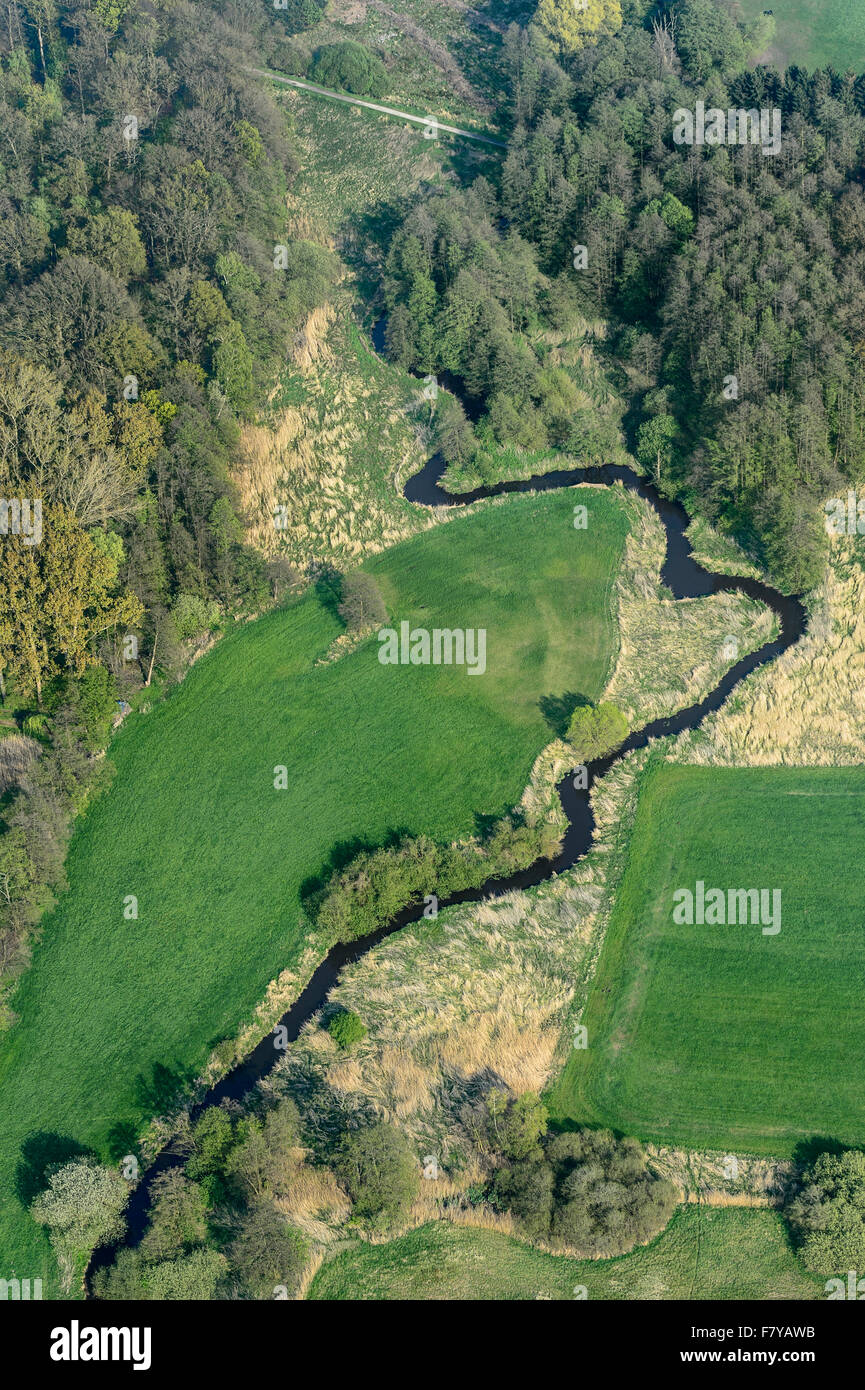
(685, 579)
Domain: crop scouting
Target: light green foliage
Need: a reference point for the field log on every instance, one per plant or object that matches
(81, 1207)
(827, 1215)
(596, 730)
(571, 24)
(380, 1173)
(346, 1028)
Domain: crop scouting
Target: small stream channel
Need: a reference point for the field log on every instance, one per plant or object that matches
(685, 578)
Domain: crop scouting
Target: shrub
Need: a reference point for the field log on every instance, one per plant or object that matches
(377, 885)
(82, 1207)
(177, 1218)
(526, 1190)
(267, 1252)
(379, 1172)
(587, 1191)
(516, 1124)
(361, 604)
(191, 1277)
(35, 725)
(351, 67)
(607, 1200)
(596, 730)
(346, 1028)
(193, 615)
(827, 1216)
(298, 15)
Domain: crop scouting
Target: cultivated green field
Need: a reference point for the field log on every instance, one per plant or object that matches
(721, 1036)
(814, 33)
(216, 857)
(709, 1252)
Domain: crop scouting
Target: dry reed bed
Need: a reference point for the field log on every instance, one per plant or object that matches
(328, 469)
(672, 651)
(808, 707)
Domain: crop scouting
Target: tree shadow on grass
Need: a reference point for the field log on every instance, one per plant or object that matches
(42, 1153)
(159, 1092)
(807, 1151)
(557, 710)
(328, 589)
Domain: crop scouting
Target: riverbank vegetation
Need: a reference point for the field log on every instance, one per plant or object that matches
(750, 403)
(312, 768)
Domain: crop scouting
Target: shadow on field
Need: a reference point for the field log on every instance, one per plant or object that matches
(41, 1154)
(807, 1151)
(557, 710)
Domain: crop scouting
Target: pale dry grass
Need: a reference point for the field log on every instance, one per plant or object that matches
(18, 753)
(808, 707)
(320, 484)
(310, 342)
(704, 1176)
(313, 1201)
(475, 1000)
(314, 1264)
(672, 652)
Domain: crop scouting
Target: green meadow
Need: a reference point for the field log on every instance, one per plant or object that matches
(705, 1252)
(216, 856)
(721, 1036)
(813, 33)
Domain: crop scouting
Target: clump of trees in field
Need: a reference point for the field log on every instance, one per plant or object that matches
(218, 1227)
(596, 730)
(586, 1191)
(81, 1206)
(827, 1214)
(350, 67)
(380, 1173)
(378, 884)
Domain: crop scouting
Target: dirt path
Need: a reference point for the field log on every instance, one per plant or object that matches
(375, 106)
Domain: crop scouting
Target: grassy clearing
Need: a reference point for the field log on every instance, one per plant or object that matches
(703, 1253)
(719, 1036)
(354, 163)
(484, 992)
(216, 857)
(438, 59)
(334, 459)
(813, 33)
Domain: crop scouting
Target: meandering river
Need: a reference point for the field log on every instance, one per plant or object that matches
(685, 578)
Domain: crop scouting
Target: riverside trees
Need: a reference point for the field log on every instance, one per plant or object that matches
(731, 277)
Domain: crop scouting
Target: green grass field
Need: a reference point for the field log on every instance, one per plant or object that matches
(216, 857)
(814, 33)
(720, 1036)
(709, 1252)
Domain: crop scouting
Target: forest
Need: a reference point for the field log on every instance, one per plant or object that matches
(148, 297)
(731, 279)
